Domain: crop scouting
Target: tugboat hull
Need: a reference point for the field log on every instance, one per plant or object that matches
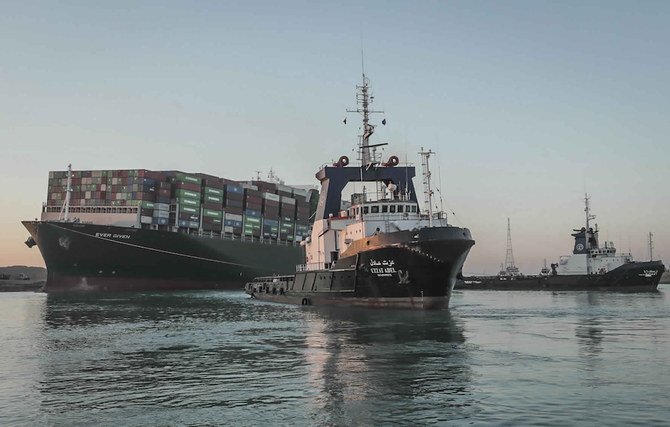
(630, 277)
(401, 270)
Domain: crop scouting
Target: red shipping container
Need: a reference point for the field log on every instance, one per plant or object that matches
(178, 185)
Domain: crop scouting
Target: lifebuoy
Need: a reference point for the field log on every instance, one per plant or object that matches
(343, 161)
(392, 161)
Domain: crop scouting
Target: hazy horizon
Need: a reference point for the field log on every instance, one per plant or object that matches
(528, 104)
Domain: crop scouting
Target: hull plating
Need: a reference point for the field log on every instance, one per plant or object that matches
(400, 270)
(634, 276)
(87, 257)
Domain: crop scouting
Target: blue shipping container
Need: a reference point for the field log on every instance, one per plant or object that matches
(234, 189)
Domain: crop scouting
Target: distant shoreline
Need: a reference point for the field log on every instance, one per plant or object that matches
(22, 278)
(21, 285)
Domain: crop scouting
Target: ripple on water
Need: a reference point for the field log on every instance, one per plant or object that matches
(197, 358)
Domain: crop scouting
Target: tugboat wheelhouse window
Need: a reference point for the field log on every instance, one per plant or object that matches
(374, 209)
(385, 209)
(400, 208)
(365, 210)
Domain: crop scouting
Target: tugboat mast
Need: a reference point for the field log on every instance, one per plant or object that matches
(427, 191)
(364, 100)
(587, 233)
(589, 217)
(651, 247)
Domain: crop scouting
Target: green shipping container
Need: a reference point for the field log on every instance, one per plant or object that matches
(188, 178)
(213, 199)
(212, 214)
(188, 209)
(187, 193)
(213, 191)
(188, 202)
(252, 220)
(146, 204)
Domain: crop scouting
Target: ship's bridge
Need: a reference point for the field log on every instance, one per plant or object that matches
(384, 209)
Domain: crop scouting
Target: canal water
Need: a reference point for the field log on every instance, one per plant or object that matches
(219, 358)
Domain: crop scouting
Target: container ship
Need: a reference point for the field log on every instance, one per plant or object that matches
(591, 266)
(377, 248)
(121, 230)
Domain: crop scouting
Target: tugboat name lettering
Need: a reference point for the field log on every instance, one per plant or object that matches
(649, 273)
(385, 263)
(383, 272)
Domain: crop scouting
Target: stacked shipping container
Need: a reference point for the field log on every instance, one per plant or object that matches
(177, 200)
(212, 203)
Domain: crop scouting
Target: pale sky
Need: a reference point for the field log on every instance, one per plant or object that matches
(528, 105)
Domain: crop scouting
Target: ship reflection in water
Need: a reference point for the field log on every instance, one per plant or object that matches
(247, 360)
(375, 366)
(219, 358)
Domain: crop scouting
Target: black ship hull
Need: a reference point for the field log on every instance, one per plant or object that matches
(88, 257)
(630, 277)
(403, 270)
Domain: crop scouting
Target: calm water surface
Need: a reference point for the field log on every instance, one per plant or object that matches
(218, 358)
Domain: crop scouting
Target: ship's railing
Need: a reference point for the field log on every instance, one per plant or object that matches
(311, 266)
(109, 209)
(92, 209)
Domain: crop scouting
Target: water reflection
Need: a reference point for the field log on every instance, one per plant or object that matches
(606, 318)
(368, 361)
(92, 309)
(218, 358)
(589, 333)
(214, 351)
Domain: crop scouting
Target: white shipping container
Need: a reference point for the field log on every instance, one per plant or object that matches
(161, 214)
(300, 192)
(270, 196)
(233, 217)
(145, 219)
(288, 200)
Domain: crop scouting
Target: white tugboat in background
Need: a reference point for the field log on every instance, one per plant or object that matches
(591, 266)
(378, 249)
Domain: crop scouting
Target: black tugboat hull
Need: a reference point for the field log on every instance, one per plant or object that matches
(630, 277)
(399, 270)
(90, 257)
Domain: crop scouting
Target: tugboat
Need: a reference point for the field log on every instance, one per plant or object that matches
(376, 249)
(590, 267)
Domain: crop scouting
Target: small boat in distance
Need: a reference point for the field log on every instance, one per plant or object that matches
(590, 267)
(377, 249)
